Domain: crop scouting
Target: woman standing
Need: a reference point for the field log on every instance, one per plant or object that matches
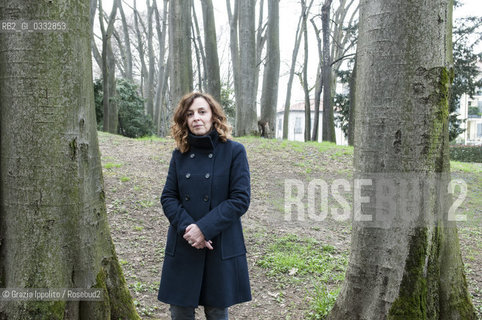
(207, 191)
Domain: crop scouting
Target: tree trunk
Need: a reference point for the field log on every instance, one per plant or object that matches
(150, 55)
(210, 43)
(233, 46)
(108, 70)
(405, 260)
(127, 45)
(351, 114)
(328, 128)
(299, 34)
(199, 52)
(162, 73)
(304, 76)
(180, 48)
(138, 20)
(269, 96)
(54, 231)
(246, 117)
(318, 84)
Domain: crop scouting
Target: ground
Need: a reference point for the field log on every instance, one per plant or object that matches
(286, 283)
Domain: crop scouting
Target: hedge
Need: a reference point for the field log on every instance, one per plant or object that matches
(465, 153)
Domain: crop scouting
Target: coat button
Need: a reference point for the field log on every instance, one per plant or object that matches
(206, 198)
(207, 175)
(187, 197)
(210, 155)
(192, 155)
(188, 175)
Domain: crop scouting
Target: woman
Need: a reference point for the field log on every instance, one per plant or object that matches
(207, 191)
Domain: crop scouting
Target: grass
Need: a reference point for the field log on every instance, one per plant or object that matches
(293, 255)
(110, 165)
(469, 167)
(291, 258)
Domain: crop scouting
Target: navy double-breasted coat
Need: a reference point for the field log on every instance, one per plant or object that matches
(208, 185)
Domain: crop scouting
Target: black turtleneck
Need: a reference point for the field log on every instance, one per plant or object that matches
(208, 141)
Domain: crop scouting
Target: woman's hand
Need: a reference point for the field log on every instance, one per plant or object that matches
(194, 236)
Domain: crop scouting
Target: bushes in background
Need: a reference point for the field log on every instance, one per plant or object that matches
(133, 122)
(466, 153)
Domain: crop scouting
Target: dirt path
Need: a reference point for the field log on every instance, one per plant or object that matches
(134, 174)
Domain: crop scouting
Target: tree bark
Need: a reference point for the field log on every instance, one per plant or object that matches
(405, 260)
(180, 49)
(210, 43)
(269, 96)
(328, 128)
(54, 231)
(246, 117)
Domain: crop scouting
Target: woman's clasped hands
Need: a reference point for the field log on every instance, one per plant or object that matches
(194, 236)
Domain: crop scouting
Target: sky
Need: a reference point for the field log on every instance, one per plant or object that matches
(289, 14)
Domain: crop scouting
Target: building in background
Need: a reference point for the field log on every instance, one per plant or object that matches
(471, 112)
(296, 127)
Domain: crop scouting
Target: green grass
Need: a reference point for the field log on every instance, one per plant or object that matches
(110, 165)
(152, 138)
(321, 302)
(470, 167)
(125, 179)
(291, 255)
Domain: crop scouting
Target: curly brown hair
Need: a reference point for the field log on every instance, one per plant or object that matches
(179, 128)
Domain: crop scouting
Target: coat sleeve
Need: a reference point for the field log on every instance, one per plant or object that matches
(222, 216)
(171, 203)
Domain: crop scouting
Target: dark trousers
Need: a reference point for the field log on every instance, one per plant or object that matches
(187, 313)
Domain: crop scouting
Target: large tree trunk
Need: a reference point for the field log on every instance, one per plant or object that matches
(210, 43)
(246, 117)
(269, 96)
(405, 260)
(54, 231)
(180, 48)
(328, 127)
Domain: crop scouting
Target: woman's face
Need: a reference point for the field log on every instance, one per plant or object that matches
(199, 117)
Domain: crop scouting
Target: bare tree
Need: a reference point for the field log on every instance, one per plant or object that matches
(126, 52)
(54, 231)
(162, 72)
(108, 70)
(180, 48)
(269, 96)
(328, 128)
(405, 260)
(210, 42)
(304, 76)
(294, 56)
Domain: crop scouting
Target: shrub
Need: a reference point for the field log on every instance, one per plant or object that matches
(466, 153)
(133, 122)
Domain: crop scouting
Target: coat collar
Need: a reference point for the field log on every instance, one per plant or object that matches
(208, 141)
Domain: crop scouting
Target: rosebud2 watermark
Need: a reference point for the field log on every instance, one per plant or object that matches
(383, 200)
